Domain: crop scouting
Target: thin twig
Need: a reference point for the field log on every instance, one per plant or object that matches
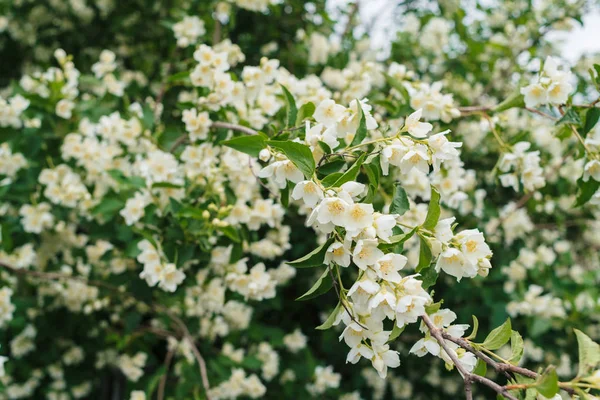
(337, 291)
(467, 376)
(163, 379)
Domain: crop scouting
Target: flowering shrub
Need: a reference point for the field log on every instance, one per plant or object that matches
(166, 231)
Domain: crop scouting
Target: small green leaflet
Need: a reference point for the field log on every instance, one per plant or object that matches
(516, 347)
(351, 173)
(321, 286)
(475, 328)
(393, 82)
(570, 117)
(425, 255)
(314, 258)
(589, 354)
(291, 109)
(480, 368)
(251, 145)
(395, 332)
(331, 319)
(591, 118)
(585, 191)
(400, 203)
(361, 132)
(498, 337)
(306, 111)
(429, 276)
(433, 213)
(512, 101)
(297, 153)
(547, 384)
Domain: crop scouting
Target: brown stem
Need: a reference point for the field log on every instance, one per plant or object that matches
(163, 379)
(53, 276)
(467, 376)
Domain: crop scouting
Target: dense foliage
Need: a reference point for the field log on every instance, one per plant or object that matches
(162, 164)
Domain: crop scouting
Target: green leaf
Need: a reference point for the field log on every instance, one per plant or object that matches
(433, 213)
(425, 255)
(6, 239)
(166, 185)
(393, 82)
(395, 332)
(433, 308)
(361, 132)
(570, 117)
(516, 347)
(591, 118)
(128, 182)
(291, 109)
(547, 384)
(475, 329)
(285, 195)
(306, 111)
(230, 232)
(180, 76)
(325, 147)
(321, 286)
(512, 101)
(331, 319)
(397, 240)
(297, 153)
(108, 207)
(330, 179)
(331, 167)
(429, 277)
(314, 258)
(251, 145)
(589, 353)
(585, 191)
(498, 337)
(400, 203)
(480, 368)
(351, 173)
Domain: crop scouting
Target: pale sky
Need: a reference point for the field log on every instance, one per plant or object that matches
(574, 43)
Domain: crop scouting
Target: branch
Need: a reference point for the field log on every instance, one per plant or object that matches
(163, 379)
(351, 16)
(53, 276)
(467, 376)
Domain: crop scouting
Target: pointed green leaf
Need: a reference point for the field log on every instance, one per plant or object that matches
(547, 384)
(425, 255)
(395, 332)
(251, 145)
(297, 153)
(498, 337)
(361, 132)
(291, 109)
(480, 368)
(570, 117)
(473, 333)
(585, 191)
(400, 203)
(516, 347)
(589, 353)
(331, 319)
(433, 213)
(591, 118)
(314, 258)
(393, 82)
(351, 173)
(321, 286)
(429, 277)
(514, 100)
(306, 111)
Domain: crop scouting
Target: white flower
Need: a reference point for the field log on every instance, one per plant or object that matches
(309, 192)
(363, 289)
(64, 108)
(409, 308)
(591, 169)
(416, 157)
(366, 253)
(534, 95)
(358, 217)
(416, 128)
(387, 267)
(473, 245)
(282, 171)
(384, 358)
(338, 253)
(384, 225)
(453, 262)
(170, 278)
(332, 210)
(329, 113)
(426, 345)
